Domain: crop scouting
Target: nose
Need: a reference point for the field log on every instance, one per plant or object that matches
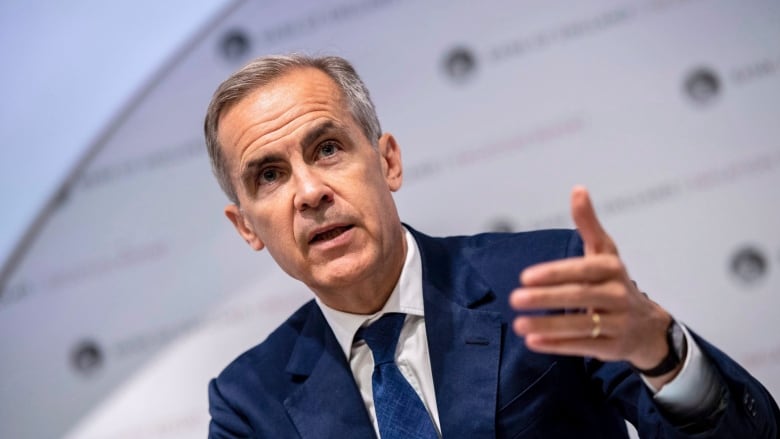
(311, 191)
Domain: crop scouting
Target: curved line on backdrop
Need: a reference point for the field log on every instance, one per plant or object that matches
(51, 204)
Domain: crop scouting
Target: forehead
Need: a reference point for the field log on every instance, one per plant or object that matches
(281, 108)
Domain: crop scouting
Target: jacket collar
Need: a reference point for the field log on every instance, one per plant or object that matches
(464, 341)
(325, 383)
(464, 344)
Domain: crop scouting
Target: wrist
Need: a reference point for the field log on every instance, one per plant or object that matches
(675, 349)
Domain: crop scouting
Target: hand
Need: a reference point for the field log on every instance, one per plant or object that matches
(631, 326)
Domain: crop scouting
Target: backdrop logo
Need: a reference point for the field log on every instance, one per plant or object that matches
(235, 45)
(702, 86)
(749, 265)
(501, 225)
(460, 64)
(86, 357)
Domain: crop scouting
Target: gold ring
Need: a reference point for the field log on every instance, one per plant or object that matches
(596, 331)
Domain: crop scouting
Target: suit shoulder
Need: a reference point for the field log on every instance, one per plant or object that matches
(247, 397)
(549, 240)
(269, 356)
(546, 244)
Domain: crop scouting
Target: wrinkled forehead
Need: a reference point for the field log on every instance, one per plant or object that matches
(281, 99)
(280, 116)
(296, 84)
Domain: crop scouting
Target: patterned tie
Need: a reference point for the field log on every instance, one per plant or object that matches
(399, 411)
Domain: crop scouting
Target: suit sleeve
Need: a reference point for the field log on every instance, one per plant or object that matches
(225, 422)
(746, 408)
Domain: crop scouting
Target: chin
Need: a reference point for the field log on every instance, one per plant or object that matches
(343, 273)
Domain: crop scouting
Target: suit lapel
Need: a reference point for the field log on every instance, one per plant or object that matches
(464, 342)
(325, 382)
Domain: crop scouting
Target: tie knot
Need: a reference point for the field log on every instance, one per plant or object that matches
(382, 337)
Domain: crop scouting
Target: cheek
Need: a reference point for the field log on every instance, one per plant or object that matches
(278, 228)
(280, 243)
(273, 226)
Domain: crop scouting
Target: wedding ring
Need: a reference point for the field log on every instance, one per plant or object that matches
(596, 331)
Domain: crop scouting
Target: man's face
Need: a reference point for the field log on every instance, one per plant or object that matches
(313, 190)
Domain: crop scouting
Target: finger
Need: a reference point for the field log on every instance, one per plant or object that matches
(593, 269)
(606, 296)
(602, 348)
(584, 215)
(565, 326)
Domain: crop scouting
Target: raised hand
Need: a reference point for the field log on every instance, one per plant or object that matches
(618, 322)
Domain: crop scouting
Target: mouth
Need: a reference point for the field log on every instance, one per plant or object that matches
(328, 234)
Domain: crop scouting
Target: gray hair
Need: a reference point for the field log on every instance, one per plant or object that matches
(264, 70)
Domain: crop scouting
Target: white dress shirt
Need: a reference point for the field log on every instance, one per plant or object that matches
(685, 393)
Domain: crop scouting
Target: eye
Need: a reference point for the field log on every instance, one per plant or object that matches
(327, 149)
(268, 175)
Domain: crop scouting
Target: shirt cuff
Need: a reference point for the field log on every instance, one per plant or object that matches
(696, 389)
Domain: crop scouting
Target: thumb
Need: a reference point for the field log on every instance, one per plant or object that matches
(593, 235)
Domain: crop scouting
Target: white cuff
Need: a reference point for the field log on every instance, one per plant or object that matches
(691, 391)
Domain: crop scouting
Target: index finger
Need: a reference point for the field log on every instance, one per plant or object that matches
(592, 269)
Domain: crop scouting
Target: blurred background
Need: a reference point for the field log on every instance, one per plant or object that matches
(123, 289)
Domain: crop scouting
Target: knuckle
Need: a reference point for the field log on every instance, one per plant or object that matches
(591, 270)
(579, 293)
(614, 265)
(621, 291)
(617, 293)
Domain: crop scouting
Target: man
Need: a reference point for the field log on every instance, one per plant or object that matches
(571, 348)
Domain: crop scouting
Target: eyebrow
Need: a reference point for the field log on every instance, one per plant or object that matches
(251, 168)
(319, 131)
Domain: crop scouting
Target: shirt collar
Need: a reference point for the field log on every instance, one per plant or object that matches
(406, 298)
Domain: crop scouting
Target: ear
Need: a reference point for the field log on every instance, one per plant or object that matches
(243, 226)
(390, 155)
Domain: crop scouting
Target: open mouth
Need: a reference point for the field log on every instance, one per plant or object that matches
(329, 234)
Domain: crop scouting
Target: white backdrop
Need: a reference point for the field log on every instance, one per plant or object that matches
(135, 290)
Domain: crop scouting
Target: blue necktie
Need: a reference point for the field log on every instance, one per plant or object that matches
(399, 411)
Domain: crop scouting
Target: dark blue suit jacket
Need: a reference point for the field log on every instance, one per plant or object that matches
(297, 383)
